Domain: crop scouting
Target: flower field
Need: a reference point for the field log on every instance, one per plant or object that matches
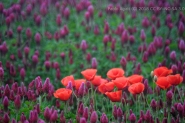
(92, 61)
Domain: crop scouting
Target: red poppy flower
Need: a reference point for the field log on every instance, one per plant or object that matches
(89, 73)
(78, 82)
(114, 96)
(175, 79)
(162, 71)
(120, 82)
(63, 94)
(103, 81)
(96, 81)
(67, 79)
(136, 88)
(135, 79)
(163, 82)
(106, 87)
(115, 73)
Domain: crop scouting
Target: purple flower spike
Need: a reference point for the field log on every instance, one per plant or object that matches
(132, 118)
(94, 63)
(5, 102)
(104, 119)
(83, 120)
(94, 117)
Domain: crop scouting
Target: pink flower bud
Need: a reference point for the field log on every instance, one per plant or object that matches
(94, 117)
(94, 63)
(173, 55)
(4, 48)
(145, 22)
(81, 109)
(47, 114)
(90, 9)
(43, 9)
(38, 38)
(88, 57)
(124, 37)
(12, 70)
(35, 59)
(145, 57)
(182, 45)
(87, 16)
(115, 113)
(153, 104)
(132, 118)
(8, 21)
(19, 29)
(143, 35)
(62, 117)
(5, 102)
(66, 13)
(1, 73)
(123, 62)
(85, 113)
(29, 9)
(28, 33)
(83, 120)
(58, 20)
(54, 116)
(17, 101)
(181, 28)
(38, 20)
(104, 119)
(131, 39)
(6, 118)
(83, 45)
(106, 28)
(167, 50)
(153, 30)
(22, 74)
(1, 7)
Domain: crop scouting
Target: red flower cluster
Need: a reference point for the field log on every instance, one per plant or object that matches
(164, 79)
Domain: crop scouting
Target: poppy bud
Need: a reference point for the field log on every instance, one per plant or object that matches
(1, 73)
(85, 113)
(6, 118)
(5, 102)
(94, 117)
(47, 65)
(17, 101)
(66, 13)
(173, 55)
(132, 118)
(58, 20)
(143, 35)
(47, 114)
